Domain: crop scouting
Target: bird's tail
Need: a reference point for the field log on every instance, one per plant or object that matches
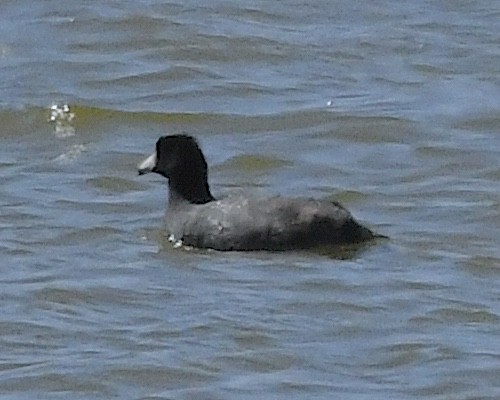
(355, 232)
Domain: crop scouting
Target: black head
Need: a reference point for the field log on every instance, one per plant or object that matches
(179, 159)
(177, 155)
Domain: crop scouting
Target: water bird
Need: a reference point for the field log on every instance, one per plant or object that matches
(196, 218)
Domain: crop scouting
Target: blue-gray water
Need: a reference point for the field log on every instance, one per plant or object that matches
(390, 107)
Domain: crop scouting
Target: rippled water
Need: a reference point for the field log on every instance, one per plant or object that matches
(390, 107)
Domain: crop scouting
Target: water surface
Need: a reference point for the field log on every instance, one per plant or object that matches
(389, 107)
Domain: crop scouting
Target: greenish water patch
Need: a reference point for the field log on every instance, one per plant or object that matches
(486, 122)
(482, 266)
(348, 196)
(80, 236)
(254, 163)
(455, 315)
(114, 184)
(87, 115)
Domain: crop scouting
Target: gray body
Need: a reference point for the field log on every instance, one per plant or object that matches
(242, 223)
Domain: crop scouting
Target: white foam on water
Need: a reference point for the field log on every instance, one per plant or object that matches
(71, 154)
(62, 117)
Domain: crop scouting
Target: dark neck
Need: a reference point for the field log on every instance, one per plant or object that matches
(194, 190)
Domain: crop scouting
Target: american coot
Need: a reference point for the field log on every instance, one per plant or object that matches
(195, 218)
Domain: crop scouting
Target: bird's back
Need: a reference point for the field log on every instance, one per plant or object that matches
(241, 223)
